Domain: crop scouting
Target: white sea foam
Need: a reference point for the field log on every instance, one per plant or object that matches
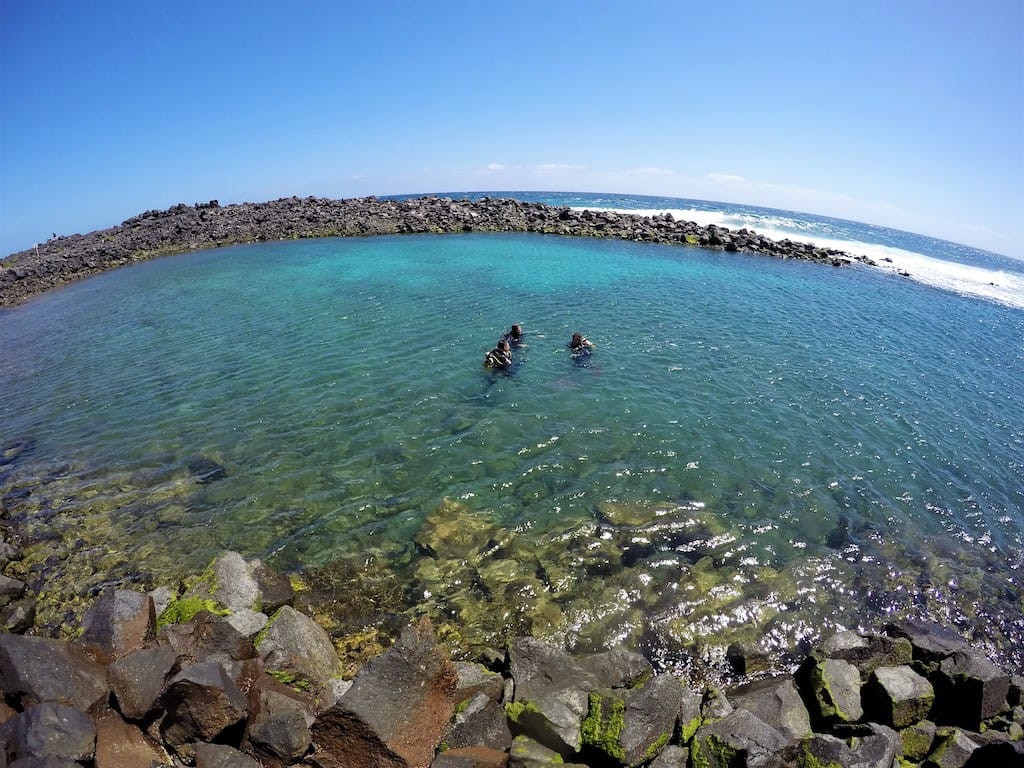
(992, 284)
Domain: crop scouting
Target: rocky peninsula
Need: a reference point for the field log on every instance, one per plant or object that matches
(224, 672)
(184, 228)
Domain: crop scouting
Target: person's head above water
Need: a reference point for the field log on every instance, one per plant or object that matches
(500, 356)
(516, 331)
(580, 343)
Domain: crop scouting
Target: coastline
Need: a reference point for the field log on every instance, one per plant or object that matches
(224, 671)
(715, 708)
(184, 228)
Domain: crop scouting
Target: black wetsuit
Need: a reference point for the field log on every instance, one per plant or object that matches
(498, 358)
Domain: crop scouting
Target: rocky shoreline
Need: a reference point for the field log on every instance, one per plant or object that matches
(183, 228)
(223, 672)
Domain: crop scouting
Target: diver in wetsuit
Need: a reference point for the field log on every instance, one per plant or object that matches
(500, 357)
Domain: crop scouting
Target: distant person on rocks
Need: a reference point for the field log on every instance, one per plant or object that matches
(514, 335)
(580, 345)
(500, 357)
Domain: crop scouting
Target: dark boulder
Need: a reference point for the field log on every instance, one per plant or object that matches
(931, 642)
(471, 757)
(482, 722)
(552, 688)
(119, 622)
(1008, 754)
(206, 638)
(50, 730)
(633, 725)
(234, 585)
(10, 590)
(222, 756)
(916, 740)
(969, 689)
(867, 652)
(831, 688)
(953, 749)
(397, 709)
(898, 696)
(201, 703)
(279, 730)
(19, 616)
(294, 644)
(551, 695)
(138, 679)
(37, 669)
(737, 740)
(527, 753)
(776, 702)
(672, 756)
(476, 678)
(862, 746)
(618, 668)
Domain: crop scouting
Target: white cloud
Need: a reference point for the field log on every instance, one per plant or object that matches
(497, 167)
(653, 172)
(549, 167)
(728, 178)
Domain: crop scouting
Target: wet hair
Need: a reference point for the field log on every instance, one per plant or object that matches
(577, 340)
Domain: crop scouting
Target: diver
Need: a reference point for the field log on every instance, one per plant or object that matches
(514, 335)
(581, 345)
(500, 357)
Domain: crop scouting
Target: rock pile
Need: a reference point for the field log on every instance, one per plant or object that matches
(227, 674)
(207, 225)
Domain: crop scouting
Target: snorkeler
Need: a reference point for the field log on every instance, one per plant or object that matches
(514, 335)
(580, 344)
(499, 357)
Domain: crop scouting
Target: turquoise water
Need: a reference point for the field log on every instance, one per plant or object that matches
(758, 449)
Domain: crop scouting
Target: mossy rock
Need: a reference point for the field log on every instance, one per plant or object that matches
(185, 608)
(602, 727)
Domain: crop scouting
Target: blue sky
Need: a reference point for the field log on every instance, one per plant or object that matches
(906, 113)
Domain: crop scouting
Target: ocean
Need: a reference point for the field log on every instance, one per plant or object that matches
(758, 450)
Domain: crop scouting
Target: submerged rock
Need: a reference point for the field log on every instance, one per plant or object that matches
(206, 470)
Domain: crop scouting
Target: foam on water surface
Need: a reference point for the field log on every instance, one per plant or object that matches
(992, 284)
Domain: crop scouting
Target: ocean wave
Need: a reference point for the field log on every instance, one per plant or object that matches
(1003, 286)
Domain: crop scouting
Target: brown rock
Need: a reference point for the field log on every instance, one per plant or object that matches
(138, 678)
(121, 745)
(221, 756)
(120, 621)
(206, 638)
(201, 702)
(471, 757)
(280, 729)
(395, 714)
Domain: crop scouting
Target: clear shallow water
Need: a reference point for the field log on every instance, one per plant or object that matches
(938, 263)
(758, 449)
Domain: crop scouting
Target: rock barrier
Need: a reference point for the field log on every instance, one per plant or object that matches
(182, 228)
(227, 674)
